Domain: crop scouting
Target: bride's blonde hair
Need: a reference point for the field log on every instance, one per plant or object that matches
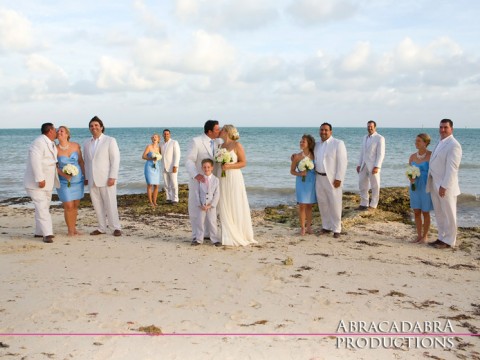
(232, 132)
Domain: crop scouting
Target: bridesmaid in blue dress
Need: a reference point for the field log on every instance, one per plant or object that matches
(152, 169)
(70, 153)
(305, 184)
(420, 200)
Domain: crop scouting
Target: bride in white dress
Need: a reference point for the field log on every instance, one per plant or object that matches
(236, 223)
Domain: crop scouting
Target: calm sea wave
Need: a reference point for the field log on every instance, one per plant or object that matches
(268, 150)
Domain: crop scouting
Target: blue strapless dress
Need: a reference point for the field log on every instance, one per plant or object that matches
(152, 174)
(305, 191)
(76, 189)
(420, 199)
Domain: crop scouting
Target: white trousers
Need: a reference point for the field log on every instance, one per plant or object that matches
(366, 180)
(171, 185)
(43, 220)
(104, 200)
(206, 220)
(329, 203)
(194, 212)
(446, 216)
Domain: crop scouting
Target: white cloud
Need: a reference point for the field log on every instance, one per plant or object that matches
(16, 32)
(209, 53)
(405, 67)
(122, 75)
(46, 77)
(268, 68)
(312, 12)
(187, 9)
(227, 14)
(358, 59)
(152, 23)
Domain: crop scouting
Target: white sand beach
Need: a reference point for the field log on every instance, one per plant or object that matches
(92, 296)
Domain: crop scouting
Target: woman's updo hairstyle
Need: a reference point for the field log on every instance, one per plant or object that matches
(232, 132)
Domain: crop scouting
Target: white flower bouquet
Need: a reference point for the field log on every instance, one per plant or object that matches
(71, 170)
(305, 164)
(157, 157)
(412, 173)
(223, 156)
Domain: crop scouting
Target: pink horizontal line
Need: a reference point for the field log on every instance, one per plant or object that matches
(246, 334)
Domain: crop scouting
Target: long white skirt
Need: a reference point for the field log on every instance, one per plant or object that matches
(235, 218)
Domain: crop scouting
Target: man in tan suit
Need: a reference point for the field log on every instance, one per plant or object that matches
(102, 162)
(442, 183)
(40, 178)
(170, 161)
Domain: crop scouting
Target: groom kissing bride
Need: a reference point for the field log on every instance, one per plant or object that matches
(235, 219)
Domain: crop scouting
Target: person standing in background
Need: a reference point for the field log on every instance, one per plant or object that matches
(442, 183)
(372, 154)
(71, 190)
(170, 160)
(330, 166)
(420, 199)
(305, 192)
(102, 162)
(40, 178)
(152, 169)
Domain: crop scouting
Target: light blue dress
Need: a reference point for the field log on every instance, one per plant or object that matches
(152, 174)
(305, 190)
(76, 189)
(420, 199)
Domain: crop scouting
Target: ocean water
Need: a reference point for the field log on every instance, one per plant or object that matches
(268, 150)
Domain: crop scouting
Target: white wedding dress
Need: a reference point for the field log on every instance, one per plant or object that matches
(235, 219)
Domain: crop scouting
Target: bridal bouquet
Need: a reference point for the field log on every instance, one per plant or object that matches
(157, 156)
(223, 156)
(305, 164)
(70, 169)
(412, 173)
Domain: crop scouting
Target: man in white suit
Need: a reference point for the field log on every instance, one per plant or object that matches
(369, 165)
(102, 162)
(442, 183)
(40, 178)
(200, 147)
(330, 167)
(170, 159)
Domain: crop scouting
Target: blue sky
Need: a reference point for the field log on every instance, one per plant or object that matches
(247, 62)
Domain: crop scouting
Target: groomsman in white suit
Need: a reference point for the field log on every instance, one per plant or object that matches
(442, 183)
(102, 162)
(200, 147)
(40, 178)
(330, 167)
(369, 165)
(170, 159)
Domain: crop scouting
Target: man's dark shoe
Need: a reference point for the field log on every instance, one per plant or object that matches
(336, 235)
(96, 232)
(48, 239)
(117, 233)
(362, 208)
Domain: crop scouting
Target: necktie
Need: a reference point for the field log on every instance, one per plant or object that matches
(212, 146)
